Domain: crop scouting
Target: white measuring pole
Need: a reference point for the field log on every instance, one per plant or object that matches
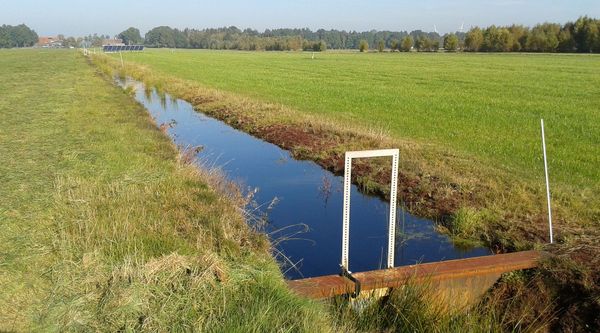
(346, 212)
(547, 182)
(121, 55)
(395, 154)
(392, 222)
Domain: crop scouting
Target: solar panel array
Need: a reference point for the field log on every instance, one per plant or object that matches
(122, 48)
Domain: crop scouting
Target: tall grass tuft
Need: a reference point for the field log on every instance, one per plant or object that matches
(419, 308)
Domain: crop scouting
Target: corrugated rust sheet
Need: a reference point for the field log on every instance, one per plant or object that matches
(332, 285)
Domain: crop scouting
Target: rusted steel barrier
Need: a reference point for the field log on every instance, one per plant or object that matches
(467, 277)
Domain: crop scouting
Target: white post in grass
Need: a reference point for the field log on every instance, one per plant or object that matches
(121, 55)
(547, 182)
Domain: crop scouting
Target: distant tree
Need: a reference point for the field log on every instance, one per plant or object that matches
(131, 36)
(497, 39)
(474, 39)
(519, 37)
(595, 38)
(181, 41)
(381, 45)
(94, 40)
(394, 45)
(419, 43)
(566, 42)
(424, 44)
(450, 42)
(322, 46)
(22, 36)
(536, 41)
(162, 36)
(407, 44)
(363, 46)
(586, 33)
(307, 46)
(543, 38)
(17, 36)
(295, 43)
(5, 39)
(435, 45)
(70, 42)
(319, 46)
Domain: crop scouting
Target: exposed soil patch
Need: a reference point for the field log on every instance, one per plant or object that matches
(424, 195)
(295, 138)
(564, 291)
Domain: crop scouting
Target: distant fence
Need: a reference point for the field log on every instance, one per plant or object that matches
(122, 48)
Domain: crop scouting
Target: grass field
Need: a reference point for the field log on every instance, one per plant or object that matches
(486, 106)
(105, 228)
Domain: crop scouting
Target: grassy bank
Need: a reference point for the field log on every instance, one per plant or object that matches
(468, 133)
(106, 228)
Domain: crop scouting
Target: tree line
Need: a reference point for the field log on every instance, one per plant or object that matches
(233, 38)
(17, 36)
(583, 35)
(23, 36)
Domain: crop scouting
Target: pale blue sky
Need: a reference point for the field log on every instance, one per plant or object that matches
(71, 17)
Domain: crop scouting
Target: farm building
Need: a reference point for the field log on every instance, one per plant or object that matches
(49, 41)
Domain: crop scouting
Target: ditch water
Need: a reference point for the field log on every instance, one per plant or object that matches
(302, 201)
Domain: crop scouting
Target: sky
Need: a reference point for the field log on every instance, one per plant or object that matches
(77, 18)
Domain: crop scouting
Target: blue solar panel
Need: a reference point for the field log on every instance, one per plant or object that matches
(122, 48)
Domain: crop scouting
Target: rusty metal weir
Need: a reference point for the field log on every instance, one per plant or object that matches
(472, 276)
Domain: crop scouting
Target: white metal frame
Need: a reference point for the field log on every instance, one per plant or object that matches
(395, 154)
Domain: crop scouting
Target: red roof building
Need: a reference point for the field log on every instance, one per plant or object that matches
(49, 41)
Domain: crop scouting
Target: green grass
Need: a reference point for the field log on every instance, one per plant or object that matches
(483, 106)
(105, 228)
